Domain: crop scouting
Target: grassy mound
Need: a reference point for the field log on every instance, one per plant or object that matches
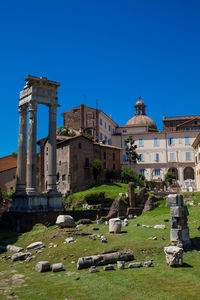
(111, 191)
(159, 282)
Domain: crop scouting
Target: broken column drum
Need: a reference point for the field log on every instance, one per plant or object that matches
(179, 233)
(27, 198)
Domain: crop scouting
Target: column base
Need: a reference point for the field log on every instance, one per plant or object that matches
(36, 202)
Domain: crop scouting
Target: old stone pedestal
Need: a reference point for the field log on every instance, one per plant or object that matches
(36, 202)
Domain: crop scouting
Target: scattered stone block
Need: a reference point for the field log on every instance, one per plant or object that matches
(174, 256)
(135, 265)
(20, 256)
(147, 226)
(35, 246)
(120, 264)
(99, 222)
(57, 267)
(148, 264)
(115, 225)
(69, 240)
(159, 227)
(108, 268)
(92, 237)
(179, 211)
(65, 221)
(174, 200)
(106, 223)
(103, 239)
(137, 224)
(15, 249)
(93, 269)
(43, 266)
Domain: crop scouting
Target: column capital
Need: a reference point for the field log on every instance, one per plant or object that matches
(22, 109)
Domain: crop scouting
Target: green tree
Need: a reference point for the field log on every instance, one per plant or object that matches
(97, 167)
(127, 175)
(131, 150)
(169, 177)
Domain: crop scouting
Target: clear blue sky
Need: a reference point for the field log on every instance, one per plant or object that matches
(110, 50)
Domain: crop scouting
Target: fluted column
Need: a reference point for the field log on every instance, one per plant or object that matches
(21, 157)
(32, 148)
(51, 186)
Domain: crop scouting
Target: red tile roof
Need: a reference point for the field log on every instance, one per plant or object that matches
(8, 162)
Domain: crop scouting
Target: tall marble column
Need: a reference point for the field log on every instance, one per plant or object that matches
(32, 148)
(51, 181)
(21, 157)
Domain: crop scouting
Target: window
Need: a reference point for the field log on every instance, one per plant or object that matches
(171, 156)
(125, 157)
(187, 140)
(63, 177)
(187, 155)
(155, 141)
(187, 128)
(125, 143)
(106, 139)
(156, 156)
(171, 124)
(79, 145)
(59, 162)
(109, 141)
(140, 142)
(157, 172)
(113, 156)
(142, 171)
(87, 165)
(113, 166)
(101, 136)
(101, 121)
(105, 125)
(57, 176)
(180, 140)
(141, 157)
(124, 130)
(104, 155)
(195, 123)
(170, 141)
(109, 128)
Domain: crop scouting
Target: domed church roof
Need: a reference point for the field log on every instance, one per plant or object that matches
(140, 118)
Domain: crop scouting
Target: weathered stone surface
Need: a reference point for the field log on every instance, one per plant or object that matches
(69, 240)
(93, 269)
(103, 259)
(36, 245)
(179, 211)
(147, 226)
(57, 267)
(135, 265)
(108, 268)
(159, 227)
(20, 256)
(148, 264)
(14, 249)
(115, 225)
(43, 266)
(142, 196)
(99, 222)
(65, 221)
(174, 200)
(174, 256)
(120, 264)
(149, 205)
(117, 209)
(103, 239)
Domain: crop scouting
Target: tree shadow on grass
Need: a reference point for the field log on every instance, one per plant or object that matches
(195, 244)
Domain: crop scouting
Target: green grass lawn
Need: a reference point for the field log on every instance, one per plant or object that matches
(158, 282)
(111, 191)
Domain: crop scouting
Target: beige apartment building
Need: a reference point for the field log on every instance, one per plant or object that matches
(196, 146)
(160, 152)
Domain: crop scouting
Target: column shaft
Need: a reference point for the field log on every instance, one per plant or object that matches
(32, 148)
(51, 186)
(21, 157)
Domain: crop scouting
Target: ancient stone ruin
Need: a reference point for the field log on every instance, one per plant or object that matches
(27, 198)
(179, 233)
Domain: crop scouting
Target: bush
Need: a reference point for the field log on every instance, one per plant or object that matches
(150, 185)
(127, 175)
(169, 177)
(84, 221)
(94, 198)
(97, 167)
(112, 175)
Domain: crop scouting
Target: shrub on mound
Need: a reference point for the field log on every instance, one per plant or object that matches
(94, 198)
